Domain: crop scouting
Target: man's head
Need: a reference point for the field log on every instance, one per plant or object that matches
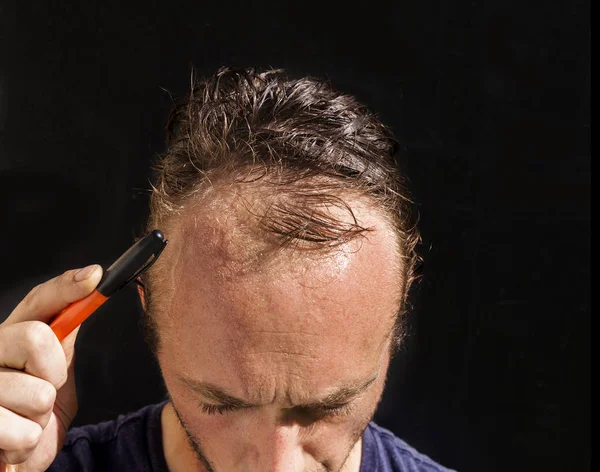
(274, 310)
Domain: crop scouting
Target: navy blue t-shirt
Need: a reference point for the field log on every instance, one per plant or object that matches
(133, 442)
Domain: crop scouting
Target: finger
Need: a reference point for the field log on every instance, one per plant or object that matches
(4, 467)
(18, 436)
(51, 297)
(32, 347)
(5, 457)
(26, 395)
(68, 345)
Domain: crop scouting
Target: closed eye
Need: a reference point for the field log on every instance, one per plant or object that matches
(310, 414)
(214, 409)
(306, 416)
(337, 410)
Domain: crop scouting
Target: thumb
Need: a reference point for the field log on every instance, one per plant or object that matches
(53, 296)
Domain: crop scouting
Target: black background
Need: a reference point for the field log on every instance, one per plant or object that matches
(490, 99)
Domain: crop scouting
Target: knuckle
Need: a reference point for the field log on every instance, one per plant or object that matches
(63, 285)
(67, 279)
(15, 457)
(44, 354)
(30, 300)
(42, 398)
(63, 377)
(67, 289)
(61, 373)
(67, 275)
(38, 337)
(30, 438)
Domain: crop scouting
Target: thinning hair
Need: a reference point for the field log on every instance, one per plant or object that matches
(306, 145)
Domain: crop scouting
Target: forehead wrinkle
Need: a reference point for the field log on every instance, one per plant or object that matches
(343, 394)
(248, 294)
(212, 392)
(338, 395)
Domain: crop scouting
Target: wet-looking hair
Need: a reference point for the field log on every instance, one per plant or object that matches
(308, 146)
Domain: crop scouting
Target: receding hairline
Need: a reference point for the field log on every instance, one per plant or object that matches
(223, 225)
(242, 119)
(246, 214)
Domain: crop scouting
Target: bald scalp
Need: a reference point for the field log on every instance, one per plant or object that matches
(228, 230)
(239, 226)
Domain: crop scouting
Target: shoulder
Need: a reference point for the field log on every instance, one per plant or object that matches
(385, 452)
(108, 431)
(126, 443)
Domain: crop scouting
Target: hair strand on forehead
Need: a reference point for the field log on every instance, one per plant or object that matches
(306, 146)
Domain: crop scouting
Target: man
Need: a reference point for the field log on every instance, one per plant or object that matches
(273, 312)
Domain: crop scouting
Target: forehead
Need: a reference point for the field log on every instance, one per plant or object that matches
(236, 303)
(226, 226)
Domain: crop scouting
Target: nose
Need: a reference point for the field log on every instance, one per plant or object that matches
(283, 451)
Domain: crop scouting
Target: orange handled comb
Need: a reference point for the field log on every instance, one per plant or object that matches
(137, 259)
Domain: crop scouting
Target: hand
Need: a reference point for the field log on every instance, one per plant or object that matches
(37, 389)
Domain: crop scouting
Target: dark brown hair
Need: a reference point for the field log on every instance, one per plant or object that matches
(306, 143)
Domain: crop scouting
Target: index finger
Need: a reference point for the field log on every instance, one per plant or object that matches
(50, 298)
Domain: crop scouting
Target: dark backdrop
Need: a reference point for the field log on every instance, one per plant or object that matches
(491, 100)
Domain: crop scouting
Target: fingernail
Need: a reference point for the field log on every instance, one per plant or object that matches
(85, 273)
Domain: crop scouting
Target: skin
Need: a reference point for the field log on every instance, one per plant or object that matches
(37, 388)
(299, 340)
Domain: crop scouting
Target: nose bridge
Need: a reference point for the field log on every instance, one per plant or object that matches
(283, 450)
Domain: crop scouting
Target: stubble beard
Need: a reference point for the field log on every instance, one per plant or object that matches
(209, 467)
(194, 443)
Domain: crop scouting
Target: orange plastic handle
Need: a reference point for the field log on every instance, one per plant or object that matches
(76, 313)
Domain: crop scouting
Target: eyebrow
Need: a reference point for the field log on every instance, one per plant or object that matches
(339, 397)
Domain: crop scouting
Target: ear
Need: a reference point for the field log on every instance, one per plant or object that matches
(142, 295)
